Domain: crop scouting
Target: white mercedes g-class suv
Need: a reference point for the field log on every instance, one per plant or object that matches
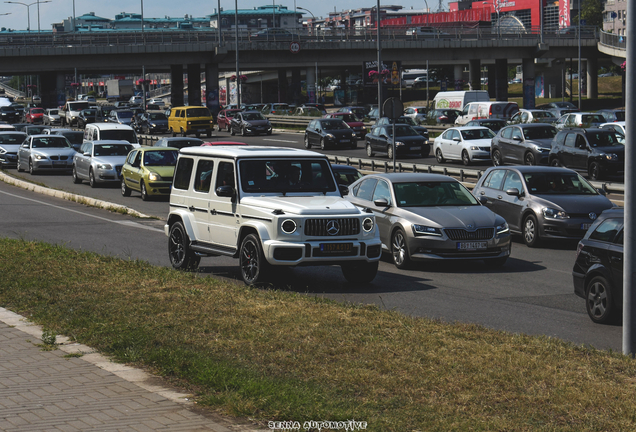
(266, 206)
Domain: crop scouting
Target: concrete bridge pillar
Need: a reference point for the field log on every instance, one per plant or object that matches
(296, 86)
(282, 86)
(457, 73)
(212, 88)
(194, 84)
(310, 78)
(47, 90)
(176, 84)
(528, 83)
(592, 78)
(474, 74)
(492, 79)
(60, 87)
(501, 79)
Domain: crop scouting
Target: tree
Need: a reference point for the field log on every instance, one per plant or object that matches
(591, 12)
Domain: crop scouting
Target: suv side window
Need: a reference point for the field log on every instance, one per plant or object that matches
(516, 133)
(365, 189)
(580, 142)
(203, 177)
(494, 179)
(182, 173)
(507, 133)
(225, 175)
(607, 230)
(570, 140)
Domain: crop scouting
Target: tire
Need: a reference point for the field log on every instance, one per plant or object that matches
(529, 159)
(31, 168)
(497, 159)
(307, 144)
(243, 131)
(209, 133)
(91, 179)
(389, 152)
(360, 273)
(254, 267)
(76, 179)
(183, 133)
(594, 171)
(399, 250)
(181, 256)
(228, 128)
(173, 133)
(465, 158)
(125, 190)
(439, 156)
(555, 163)
(144, 192)
(323, 144)
(18, 167)
(232, 131)
(599, 301)
(531, 231)
(197, 134)
(370, 152)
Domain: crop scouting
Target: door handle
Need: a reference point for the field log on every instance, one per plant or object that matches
(499, 197)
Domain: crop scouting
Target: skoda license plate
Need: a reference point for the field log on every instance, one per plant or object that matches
(471, 246)
(585, 226)
(336, 248)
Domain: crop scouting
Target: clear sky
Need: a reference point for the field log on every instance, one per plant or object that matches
(58, 10)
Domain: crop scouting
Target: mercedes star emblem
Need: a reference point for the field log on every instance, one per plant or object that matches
(333, 227)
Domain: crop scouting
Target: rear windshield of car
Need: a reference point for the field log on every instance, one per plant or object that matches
(161, 158)
(541, 183)
(17, 138)
(432, 194)
(592, 118)
(475, 134)
(198, 112)
(545, 114)
(602, 139)
(118, 135)
(112, 149)
(539, 132)
(286, 175)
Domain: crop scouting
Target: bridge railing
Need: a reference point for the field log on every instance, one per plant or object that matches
(613, 40)
(359, 34)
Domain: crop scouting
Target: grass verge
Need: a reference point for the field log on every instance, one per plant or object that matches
(276, 355)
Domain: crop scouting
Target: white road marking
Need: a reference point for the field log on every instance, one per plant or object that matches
(126, 223)
(277, 140)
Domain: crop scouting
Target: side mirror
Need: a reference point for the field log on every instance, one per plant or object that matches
(456, 139)
(344, 189)
(602, 191)
(516, 138)
(225, 191)
(513, 192)
(87, 154)
(382, 202)
(483, 200)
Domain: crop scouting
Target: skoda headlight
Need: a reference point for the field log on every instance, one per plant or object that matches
(426, 230)
(503, 228)
(368, 224)
(550, 213)
(154, 177)
(105, 166)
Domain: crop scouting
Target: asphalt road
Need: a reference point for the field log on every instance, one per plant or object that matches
(531, 294)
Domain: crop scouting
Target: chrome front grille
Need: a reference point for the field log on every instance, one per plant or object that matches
(332, 227)
(462, 234)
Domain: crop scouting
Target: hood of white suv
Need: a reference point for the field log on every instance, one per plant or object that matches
(303, 205)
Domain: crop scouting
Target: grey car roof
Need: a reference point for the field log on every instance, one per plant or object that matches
(413, 177)
(533, 169)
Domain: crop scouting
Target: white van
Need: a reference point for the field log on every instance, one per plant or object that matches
(487, 110)
(458, 99)
(110, 131)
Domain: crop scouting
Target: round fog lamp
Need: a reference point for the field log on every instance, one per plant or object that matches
(288, 226)
(367, 224)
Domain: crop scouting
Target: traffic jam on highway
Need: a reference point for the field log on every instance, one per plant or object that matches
(534, 185)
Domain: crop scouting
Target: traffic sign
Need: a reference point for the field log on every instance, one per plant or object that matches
(294, 47)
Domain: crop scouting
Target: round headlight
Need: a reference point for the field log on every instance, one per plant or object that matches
(288, 226)
(367, 224)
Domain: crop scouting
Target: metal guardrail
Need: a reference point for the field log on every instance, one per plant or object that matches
(303, 121)
(613, 40)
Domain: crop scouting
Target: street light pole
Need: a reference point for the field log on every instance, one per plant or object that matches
(236, 41)
(580, 77)
(379, 48)
(28, 6)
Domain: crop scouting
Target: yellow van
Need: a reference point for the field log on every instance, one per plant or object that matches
(186, 120)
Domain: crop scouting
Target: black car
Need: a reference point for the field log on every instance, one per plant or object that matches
(598, 269)
(153, 122)
(250, 122)
(612, 115)
(9, 114)
(345, 174)
(527, 144)
(442, 116)
(407, 141)
(103, 111)
(404, 120)
(595, 151)
(86, 116)
(329, 132)
(493, 124)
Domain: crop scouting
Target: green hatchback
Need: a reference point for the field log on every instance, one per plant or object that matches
(149, 171)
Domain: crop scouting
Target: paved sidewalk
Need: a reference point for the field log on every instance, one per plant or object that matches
(52, 391)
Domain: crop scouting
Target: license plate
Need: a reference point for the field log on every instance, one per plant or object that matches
(344, 140)
(471, 246)
(336, 248)
(416, 148)
(59, 163)
(585, 226)
(201, 130)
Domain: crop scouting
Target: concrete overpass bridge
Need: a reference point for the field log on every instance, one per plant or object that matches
(54, 56)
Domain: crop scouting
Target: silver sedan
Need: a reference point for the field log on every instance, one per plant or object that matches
(45, 153)
(100, 162)
(431, 217)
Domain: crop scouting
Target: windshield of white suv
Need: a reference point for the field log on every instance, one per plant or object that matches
(541, 183)
(119, 135)
(431, 194)
(286, 175)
